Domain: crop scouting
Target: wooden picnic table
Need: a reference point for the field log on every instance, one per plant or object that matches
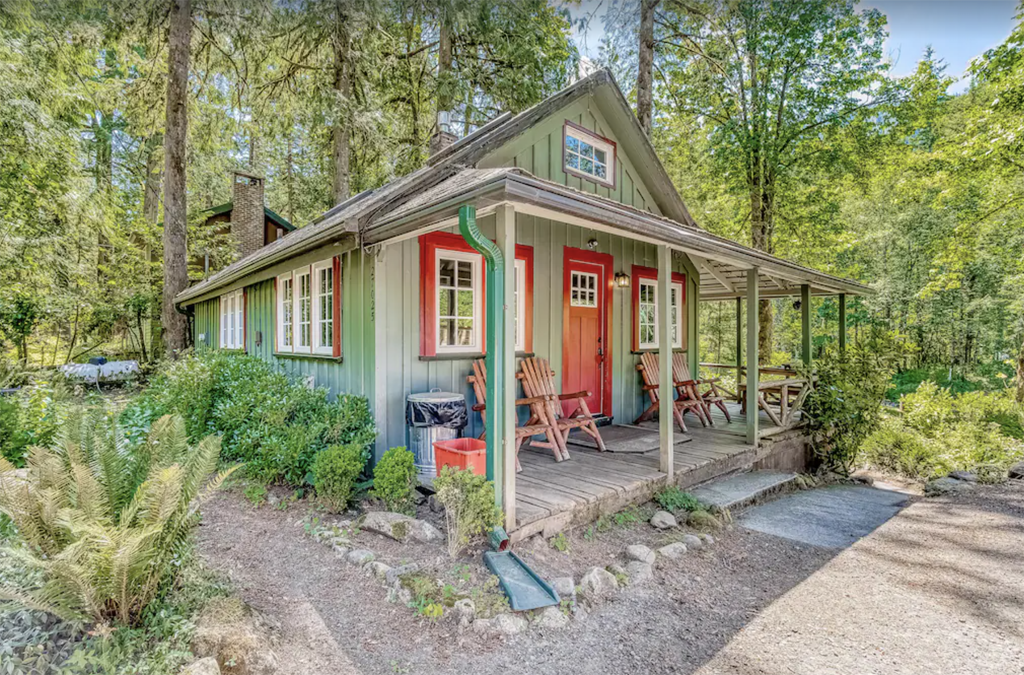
(789, 396)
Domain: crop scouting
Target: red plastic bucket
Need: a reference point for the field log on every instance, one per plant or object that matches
(462, 453)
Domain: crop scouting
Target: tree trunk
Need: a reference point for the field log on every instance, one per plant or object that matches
(761, 225)
(1020, 374)
(645, 75)
(343, 93)
(175, 136)
(444, 67)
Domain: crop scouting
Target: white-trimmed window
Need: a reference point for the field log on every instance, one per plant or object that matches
(232, 320)
(647, 313)
(588, 155)
(459, 301)
(307, 307)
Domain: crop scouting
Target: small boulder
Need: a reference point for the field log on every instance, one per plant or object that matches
(597, 583)
(340, 549)
(399, 593)
(551, 617)
(359, 557)
(947, 485)
(229, 632)
(673, 551)
(966, 476)
(396, 573)
(1017, 471)
(641, 553)
(862, 477)
(692, 542)
(703, 520)
(639, 572)
(707, 539)
(663, 520)
(463, 612)
(400, 527)
(616, 569)
(508, 624)
(378, 570)
(565, 587)
(206, 666)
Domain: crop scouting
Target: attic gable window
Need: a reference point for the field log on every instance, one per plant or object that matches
(588, 155)
(308, 307)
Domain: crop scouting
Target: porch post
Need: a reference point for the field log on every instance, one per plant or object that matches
(805, 323)
(666, 389)
(505, 474)
(753, 374)
(739, 343)
(842, 322)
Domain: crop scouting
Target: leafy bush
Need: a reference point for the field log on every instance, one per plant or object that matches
(673, 499)
(845, 406)
(31, 417)
(469, 507)
(394, 479)
(104, 528)
(938, 432)
(274, 425)
(335, 471)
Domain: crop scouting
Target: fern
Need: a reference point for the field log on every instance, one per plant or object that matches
(102, 525)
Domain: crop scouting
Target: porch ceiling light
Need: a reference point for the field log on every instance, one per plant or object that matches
(621, 279)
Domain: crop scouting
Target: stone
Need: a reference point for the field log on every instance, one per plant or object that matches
(639, 572)
(551, 618)
(340, 549)
(703, 520)
(359, 557)
(463, 612)
(395, 573)
(966, 476)
(206, 666)
(508, 624)
(230, 633)
(947, 485)
(597, 583)
(400, 527)
(692, 541)
(565, 587)
(616, 569)
(707, 539)
(862, 477)
(378, 570)
(673, 551)
(435, 504)
(663, 520)
(641, 553)
(1017, 471)
(399, 593)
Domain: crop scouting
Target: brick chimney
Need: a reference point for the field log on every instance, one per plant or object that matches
(442, 138)
(247, 219)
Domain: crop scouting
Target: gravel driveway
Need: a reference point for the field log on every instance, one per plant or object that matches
(939, 588)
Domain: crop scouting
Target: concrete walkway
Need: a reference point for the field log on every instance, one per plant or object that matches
(937, 589)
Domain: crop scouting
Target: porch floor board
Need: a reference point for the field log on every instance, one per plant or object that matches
(551, 495)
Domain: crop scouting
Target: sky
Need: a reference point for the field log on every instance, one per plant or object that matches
(958, 30)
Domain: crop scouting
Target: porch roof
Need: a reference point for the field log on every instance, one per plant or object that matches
(722, 263)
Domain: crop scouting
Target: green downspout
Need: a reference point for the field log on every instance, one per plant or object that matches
(494, 419)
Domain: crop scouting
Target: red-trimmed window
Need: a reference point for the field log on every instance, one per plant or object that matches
(645, 309)
(308, 309)
(452, 296)
(232, 320)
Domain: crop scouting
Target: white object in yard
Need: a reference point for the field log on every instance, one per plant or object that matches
(111, 371)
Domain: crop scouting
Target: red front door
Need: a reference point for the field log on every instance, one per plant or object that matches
(586, 352)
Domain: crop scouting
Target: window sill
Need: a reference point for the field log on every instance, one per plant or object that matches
(647, 350)
(319, 357)
(233, 350)
(468, 356)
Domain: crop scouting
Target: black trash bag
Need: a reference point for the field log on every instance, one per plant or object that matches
(98, 361)
(450, 414)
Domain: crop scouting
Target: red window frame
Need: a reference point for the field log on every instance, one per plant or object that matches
(448, 241)
(640, 272)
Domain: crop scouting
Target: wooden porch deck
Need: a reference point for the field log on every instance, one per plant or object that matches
(551, 496)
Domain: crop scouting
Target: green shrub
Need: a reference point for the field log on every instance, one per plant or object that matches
(469, 507)
(31, 417)
(274, 425)
(394, 479)
(335, 471)
(673, 499)
(103, 529)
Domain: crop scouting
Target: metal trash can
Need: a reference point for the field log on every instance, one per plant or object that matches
(433, 416)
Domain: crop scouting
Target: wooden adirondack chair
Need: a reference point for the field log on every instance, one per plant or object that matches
(539, 423)
(539, 381)
(650, 371)
(681, 374)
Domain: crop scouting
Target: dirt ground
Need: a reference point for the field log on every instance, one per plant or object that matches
(939, 588)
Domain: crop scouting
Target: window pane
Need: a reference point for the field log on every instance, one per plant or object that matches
(586, 166)
(446, 302)
(600, 171)
(446, 333)
(465, 332)
(465, 306)
(446, 272)
(572, 143)
(465, 274)
(586, 149)
(600, 156)
(572, 161)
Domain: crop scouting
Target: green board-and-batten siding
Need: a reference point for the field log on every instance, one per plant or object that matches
(352, 373)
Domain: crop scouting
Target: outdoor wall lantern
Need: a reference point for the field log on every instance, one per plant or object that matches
(621, 279)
